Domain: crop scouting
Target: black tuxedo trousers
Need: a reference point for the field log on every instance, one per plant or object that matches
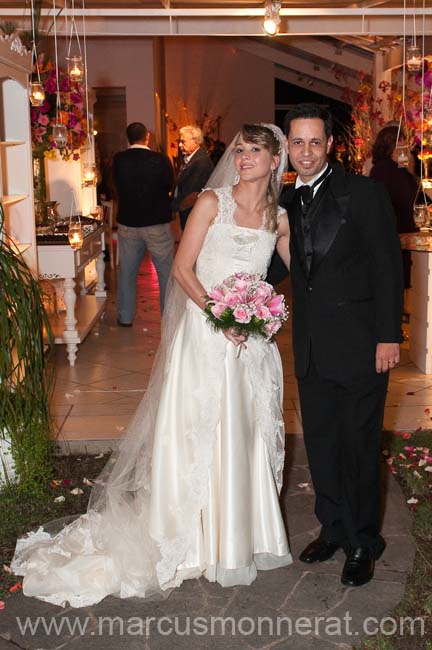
(347, 297)
(342, 424)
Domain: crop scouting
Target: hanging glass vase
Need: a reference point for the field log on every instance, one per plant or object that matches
(413, 58)
(36, 94)
(427, 175)
(60, 135)
(89, 174)
(75, 68)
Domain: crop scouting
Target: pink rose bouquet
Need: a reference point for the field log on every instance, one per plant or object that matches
(247, 303)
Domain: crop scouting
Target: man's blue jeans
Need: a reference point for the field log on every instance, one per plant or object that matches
(133, 243)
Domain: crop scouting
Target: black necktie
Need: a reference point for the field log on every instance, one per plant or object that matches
(307, 191)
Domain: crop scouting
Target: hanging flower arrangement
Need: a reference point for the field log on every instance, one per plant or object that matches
(71, 113)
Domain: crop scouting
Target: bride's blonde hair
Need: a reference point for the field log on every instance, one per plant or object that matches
(264, 137)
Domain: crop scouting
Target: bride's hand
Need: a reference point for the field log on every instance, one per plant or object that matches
(235, 336)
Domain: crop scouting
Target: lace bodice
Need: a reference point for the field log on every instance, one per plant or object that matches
(229, 248)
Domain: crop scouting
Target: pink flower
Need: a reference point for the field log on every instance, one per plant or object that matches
(272, 327)
(216, 294)
(43, 119)
(218, 309)
(262, 312)
(241, 284)
(276, 305)
(242, 314)
(231, 299)
(262, 293)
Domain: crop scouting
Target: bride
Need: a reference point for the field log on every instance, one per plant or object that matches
(194, 487)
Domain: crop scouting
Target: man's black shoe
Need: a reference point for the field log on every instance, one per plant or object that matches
(358, 568)
(120, 324)
(318, 551)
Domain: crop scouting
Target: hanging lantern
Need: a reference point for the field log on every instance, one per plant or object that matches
(402, 159)
(76, 68)
(413, 58)
(75, 235)
(421, 216)
(60, 136)
(89, 174)
(36, 94)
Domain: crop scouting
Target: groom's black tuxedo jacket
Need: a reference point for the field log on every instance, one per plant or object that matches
(350, 297)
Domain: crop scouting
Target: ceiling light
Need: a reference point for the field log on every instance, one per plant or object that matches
(271, 17)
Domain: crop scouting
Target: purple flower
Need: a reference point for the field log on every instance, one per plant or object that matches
(65, 85)
(72, 122)
(51, 85)
(46, 107)
(75, 98)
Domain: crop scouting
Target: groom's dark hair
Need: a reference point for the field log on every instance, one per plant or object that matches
(309, 110)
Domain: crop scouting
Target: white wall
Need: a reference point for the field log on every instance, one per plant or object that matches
(124, 62)
(210, 75)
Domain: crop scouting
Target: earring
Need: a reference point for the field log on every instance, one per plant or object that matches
(236, 179)
(273, 176)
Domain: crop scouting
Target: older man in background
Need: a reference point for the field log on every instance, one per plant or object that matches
(194, 172)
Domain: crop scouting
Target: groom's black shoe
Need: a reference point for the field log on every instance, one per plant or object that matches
(318, 551)
(358, 568)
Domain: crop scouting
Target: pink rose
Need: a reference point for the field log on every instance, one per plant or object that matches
(272, 327)
(218, 309)
(231, 299)
(262, 312)
(276, 305)
(242, 314)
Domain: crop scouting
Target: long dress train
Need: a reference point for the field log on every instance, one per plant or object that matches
(194, 488)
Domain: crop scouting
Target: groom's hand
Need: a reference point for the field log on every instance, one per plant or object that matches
(387, 356)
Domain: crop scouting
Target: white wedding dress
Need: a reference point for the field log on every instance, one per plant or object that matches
(194, 488)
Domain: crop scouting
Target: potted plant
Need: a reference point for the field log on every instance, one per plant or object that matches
(25, 372)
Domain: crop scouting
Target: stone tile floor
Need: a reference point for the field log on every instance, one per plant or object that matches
(94, 400)
(297, 607)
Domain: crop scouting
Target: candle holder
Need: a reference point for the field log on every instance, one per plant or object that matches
(76, 68)
(75, 234)
(89, 174)
(421, 217)
(413, 58)
(36, 94)
(60, 137)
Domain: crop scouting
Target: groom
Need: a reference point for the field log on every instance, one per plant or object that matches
(347, 310)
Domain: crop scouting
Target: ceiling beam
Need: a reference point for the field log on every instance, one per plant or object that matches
(303, 67)
(231, 21)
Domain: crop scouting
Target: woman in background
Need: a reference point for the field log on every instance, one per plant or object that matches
(401, 185)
